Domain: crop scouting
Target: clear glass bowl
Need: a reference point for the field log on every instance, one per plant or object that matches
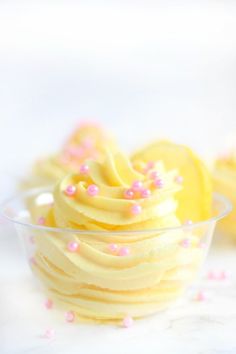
(95, 282)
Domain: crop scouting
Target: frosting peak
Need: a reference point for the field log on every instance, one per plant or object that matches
(110, 207)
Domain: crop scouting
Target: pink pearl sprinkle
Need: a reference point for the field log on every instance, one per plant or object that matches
(69, 316)
(70, 190)
(48, 304)
(32, 261)
(223, 275)
(41, 220)
(137, 186)
(128, 322)
(150, 164)
(124, 251)
(84, 169)
(136, 209)
(145, 193)
(72, 246)
(185, 243)
(49, 333)
(129, 194)
(201, 296)
(88, 143)
(158, 183)
(92, 190)
(188, 222)
(211, 275)
(179, 179)
(154, 175)
(202, 245)
(113, 247)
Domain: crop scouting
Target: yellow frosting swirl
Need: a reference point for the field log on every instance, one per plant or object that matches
(224, 178)
(89, 140)
(100, 285)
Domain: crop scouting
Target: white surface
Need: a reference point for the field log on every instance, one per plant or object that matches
(190, 327)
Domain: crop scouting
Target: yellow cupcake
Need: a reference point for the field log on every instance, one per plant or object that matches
(195, 198)
(224, 179)
(110, 270)
(87, 141)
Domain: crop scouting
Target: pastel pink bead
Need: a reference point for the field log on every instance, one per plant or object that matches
(211, 275)
(185, 243)
(145, 193)
(124, 251)
(32, 261)
(129, 194)
(136, 209)
(154, 175)
(137, 186)
(69, 316)
(179, 179)
(41, 220)
(92, 190)
(49, 333)
(158, 183)
(128, 322)
(188, 222)
(150, 164)
(113, 247)
(201, 296)
(48, 304)
(72, 246)
(84, 169)
(202, 245)
(88, 143)
(70, 190)
(223, 275)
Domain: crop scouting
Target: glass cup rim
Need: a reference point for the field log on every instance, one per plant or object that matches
(217, 197)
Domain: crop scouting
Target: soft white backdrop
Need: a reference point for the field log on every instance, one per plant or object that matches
(143, 68)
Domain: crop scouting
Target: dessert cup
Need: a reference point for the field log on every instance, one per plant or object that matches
(97, 280)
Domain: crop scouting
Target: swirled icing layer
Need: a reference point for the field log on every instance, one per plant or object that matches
(87, 141)
(97, 283)
(224, 178)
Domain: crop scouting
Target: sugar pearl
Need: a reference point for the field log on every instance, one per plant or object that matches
(136, 209)
(124, 251)
(92, 190)
(158, 183)
(49, 333)
(137, 186)
(72, 246)
(145, 193)
(128, 322)
(179, 179)
(188, 222)
(113, 247)
(70, 190)
(185, 243)
(41, 220)
(70, 316)
(129, 194)
(48, 304)
(211, 275)
(201, 296)
(150, 165)
(84, 169)
(154, 175)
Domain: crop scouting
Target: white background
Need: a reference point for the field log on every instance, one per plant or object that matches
(143, 68)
